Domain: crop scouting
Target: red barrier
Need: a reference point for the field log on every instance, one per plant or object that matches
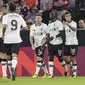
(27, 63)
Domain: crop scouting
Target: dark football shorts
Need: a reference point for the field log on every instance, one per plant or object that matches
(40, 52)
(1, 45)
(55, 50)
(70, 50)
(11, 48)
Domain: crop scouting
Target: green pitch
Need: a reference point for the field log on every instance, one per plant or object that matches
(44, 81)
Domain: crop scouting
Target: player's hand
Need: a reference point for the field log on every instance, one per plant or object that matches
(65, 23)
(51, 38)
(61, 3)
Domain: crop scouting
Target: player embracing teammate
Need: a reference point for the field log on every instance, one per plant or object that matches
(59, 34)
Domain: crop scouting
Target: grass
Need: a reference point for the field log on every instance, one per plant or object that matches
(44, 81)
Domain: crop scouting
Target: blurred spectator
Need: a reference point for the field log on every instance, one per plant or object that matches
(40, 11)
(43, 4)
(29, 23)
(80, 9)
(61, 6)
(72, 3)
(4, 9)
(11, 1)
(81, 24)
(72, 8)
(31, 3)
(18, 9)
(80, 4)
(5, 1)
(1, 3)
(17, 2)
(32, 14)
(24, 10)
(45, 14)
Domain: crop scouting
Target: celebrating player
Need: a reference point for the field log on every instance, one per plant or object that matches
(71, 42)
(12, 23)
(3, 57)
(38, 33)
(55, 28)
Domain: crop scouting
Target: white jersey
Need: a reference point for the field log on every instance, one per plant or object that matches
(38, 33)
(14, 22)
(71, 38)
(0, 27)
(53, 29)
(0, 30)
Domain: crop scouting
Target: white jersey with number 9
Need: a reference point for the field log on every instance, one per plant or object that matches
(13, 24)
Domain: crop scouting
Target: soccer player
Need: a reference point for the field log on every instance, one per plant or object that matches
(71, 42)
(55, 30)
(3, 57)
(38, 32)
(12, 23)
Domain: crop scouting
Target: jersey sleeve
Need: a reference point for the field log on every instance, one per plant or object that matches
(75, 25)
(4, 20)
(60, 26)
(23, 22)
(46, 29)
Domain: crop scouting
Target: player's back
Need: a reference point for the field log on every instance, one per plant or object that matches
(13, 22)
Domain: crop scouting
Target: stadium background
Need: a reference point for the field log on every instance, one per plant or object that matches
(27, 59)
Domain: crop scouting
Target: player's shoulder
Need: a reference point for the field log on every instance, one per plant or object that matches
(14, 15)
(73, 22)
(44, 25)
(32, 27)
(58, 21)
(6, 15)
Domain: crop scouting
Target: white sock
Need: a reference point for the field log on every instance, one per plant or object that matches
(44, 67)
(9, 65)
(14, 62)
(70, 65)
(4, 68)
(38, 66)
(75, 69)
(51, 65)
(63, 63)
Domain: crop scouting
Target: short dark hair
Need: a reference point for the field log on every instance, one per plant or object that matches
(39, 14)
(12, 7)
(63, 18)
(55, 11)
(67, 13)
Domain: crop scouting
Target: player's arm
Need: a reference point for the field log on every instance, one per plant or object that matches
(24, 26)
(61, 32)
(4, 22)
(32, 42)
(62, 35)
(73, 28)
(32, 38)
(48, 38)
(3, 31)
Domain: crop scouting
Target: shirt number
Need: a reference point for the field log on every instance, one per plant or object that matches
(14, 25)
